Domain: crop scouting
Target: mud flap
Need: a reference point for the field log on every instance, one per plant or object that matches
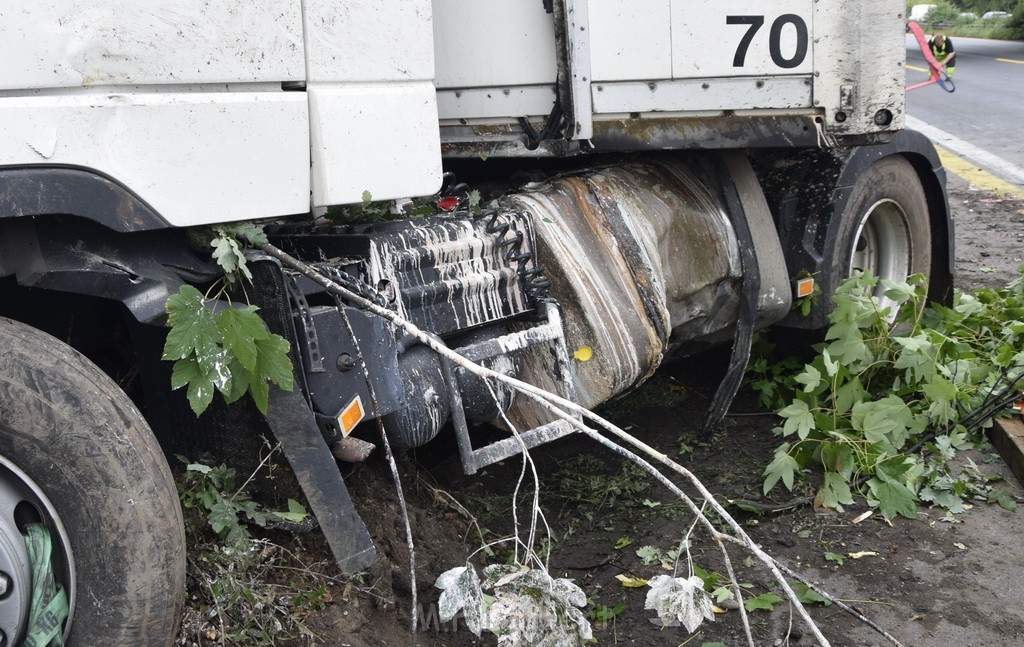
(751, 289)
(303, 445)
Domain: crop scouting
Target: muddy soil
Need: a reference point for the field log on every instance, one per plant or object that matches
(933, 581)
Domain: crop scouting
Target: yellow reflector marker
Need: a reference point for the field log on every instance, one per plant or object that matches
(583, 353)
(804, 287)
(351, 416)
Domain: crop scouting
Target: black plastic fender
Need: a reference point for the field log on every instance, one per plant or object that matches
(53, 190)
(72, 255)
(807, 191)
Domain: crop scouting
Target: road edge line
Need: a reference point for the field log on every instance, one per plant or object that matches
(992, 164)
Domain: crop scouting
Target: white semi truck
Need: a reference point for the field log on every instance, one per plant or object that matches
(655, 174)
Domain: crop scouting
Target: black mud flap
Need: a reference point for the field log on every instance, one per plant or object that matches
(303, 445)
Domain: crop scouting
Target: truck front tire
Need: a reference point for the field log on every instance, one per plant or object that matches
(82, 460)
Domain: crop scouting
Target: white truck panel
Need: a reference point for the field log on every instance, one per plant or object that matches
(495, 103)
(196, 158)
(372, 104)
(635, 40)
(856, 51)
(705, 44)
(498, 43)
(694, 95)
(368, 41)
(69, 43)
(382, 138)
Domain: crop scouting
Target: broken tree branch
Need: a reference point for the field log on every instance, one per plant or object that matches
(564, 409)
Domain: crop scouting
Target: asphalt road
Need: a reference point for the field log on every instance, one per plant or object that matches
(987, 108)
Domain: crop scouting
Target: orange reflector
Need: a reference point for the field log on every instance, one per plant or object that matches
(804, 287)
(351, 416)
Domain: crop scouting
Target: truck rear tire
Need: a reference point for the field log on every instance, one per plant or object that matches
(884, 227)
(76, 455)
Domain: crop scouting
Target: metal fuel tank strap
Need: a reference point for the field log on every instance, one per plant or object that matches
(549, 332)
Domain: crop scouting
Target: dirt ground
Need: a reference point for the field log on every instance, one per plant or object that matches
(934, 581)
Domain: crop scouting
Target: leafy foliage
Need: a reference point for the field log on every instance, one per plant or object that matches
(1015, 25)
(230, 350)
(763, 602)
(228, 241)
(370, 210)
(211, 490)
(244, 590)
(885, 406)
(602, 614)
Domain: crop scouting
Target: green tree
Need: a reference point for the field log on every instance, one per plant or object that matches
(943, 13)
(1016, 24)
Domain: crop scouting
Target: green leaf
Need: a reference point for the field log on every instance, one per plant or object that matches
(799, 419)
(1004, 498)
(246, 231)
(918, 367)
(232, 352)
(272, 365)
(807, 595)
(710, 578)
(899, 291)
(296, 512)
(260, 392)
(835, 557)
(193, 328)
(193, 343)
(223, 516)
(835, 492)
(894, 469)
(228, 254)
(763, 602)
(942, 498)
(649, 554)
(887, 420)
(831, 367)
(894, 499)
(272, 362)
(722, 593)
(941, 392)
(200, 389)
(240, 380)
(622, 542)
(183, 372)
(782, 467)
(810, 377)
(850, 393)
(836, 457)
(241, 329)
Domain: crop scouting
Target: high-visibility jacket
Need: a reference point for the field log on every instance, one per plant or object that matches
(940, 53)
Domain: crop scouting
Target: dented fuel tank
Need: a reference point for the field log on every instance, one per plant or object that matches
(644, 260)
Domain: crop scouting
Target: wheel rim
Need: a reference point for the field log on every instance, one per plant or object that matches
(881, 246)
(23, 502)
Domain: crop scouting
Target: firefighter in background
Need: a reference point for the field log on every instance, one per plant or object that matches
(943, 51)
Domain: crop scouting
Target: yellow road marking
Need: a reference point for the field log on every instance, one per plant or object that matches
(1008, 60)
(917, 69)
(978, 177)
